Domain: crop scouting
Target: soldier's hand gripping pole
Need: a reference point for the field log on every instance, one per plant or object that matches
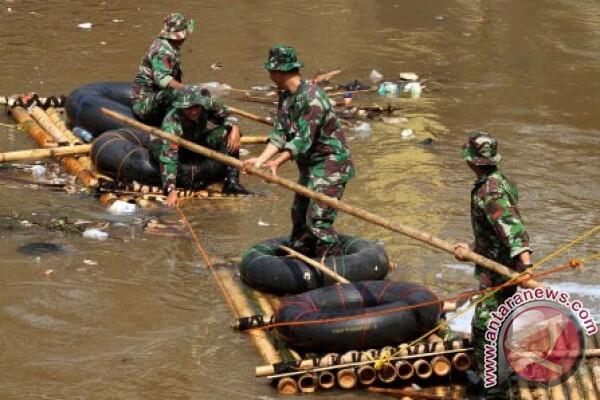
(337, 204)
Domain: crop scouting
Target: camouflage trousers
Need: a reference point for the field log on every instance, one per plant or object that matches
(478, 328)
(312, 232)
(151, 108)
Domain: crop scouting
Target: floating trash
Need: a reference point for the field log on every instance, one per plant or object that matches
(262, 223)
(363, 129)
(216, 66)
(244, 152)
(120, 207)
(215, 88)
(90, 262)
(407, 133)
(38, 172)
(414, 88)
(388, 89)
(85, 25)
(39, 248)
(394, 120)
(375, 76)
(409, 76)
(95, 234)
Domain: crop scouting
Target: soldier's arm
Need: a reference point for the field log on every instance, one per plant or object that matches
(162, 68)
(308, 125)
(169, 157)
(507, 223)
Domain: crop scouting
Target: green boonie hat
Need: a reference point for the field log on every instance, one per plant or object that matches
(190, 96)
(481, 149)
(177, 27)
(282, 58)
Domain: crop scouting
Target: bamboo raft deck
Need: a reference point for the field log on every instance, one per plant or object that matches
(436, 367)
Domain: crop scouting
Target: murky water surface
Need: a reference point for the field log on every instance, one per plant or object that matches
(142, 317)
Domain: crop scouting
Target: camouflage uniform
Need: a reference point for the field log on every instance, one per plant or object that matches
(160, 65)
(176, 123)
(500, 235)
(308, 128)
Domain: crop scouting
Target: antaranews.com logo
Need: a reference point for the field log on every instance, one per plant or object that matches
(537, 334)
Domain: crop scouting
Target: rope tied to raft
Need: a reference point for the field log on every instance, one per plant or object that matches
(26, 101)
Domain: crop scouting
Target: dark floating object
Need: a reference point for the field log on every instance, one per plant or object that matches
(40, 248)
(355, 85)
(427, 142)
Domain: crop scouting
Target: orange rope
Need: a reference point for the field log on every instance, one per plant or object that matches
(207, 261)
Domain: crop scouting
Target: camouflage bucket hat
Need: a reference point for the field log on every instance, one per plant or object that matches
(177, 27)
(282, 58)
(190, 96)
(481, 149)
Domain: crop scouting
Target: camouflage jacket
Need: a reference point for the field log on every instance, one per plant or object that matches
(497, 224)
(307, 126)
(158, 67)
(175, 123)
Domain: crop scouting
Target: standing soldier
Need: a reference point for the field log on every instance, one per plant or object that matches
(159, 74)
(188, 118)
(308, 131)
(499, 235)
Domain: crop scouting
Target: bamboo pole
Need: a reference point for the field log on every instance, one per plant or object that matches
(573, 388)
(326, 380)
(32, 128)
(556, 392)
(524, 391)
(332, 274)
(441, 365)
(56, 118)
(367, 375)
(253, 117)
(34, 154)
(408, 392)
(337, 204)
(346, 378)
(325, 76)
(259, 338)
(387, 373)
(585, 378)
(539, 393)
(307, 383)
(422, 369)
(254, 139)
(46, 123)
(405, 370)
(287, 386)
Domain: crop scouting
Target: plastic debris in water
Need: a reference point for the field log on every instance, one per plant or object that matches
(244, 152)
(409, 76)
(262, 223)
(38, 171)
(95, 234)
(83, 134)
(375, 76)
(394, 120)
(388, 89)
(90, 262)
(414, 88)
(215, 88)
(120, 207)
(407, 133)
(85, 25)
(217, 66)
(363, 129)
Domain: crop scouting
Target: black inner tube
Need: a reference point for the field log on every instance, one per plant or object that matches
(267, 268)
(366, 315)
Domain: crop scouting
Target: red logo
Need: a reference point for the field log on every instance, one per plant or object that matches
(543, 344)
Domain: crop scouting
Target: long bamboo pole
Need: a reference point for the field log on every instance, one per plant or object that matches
(32, 128)
(34, 154)
(56, 118)
(253, 117)
(337, 204)
(332, 274)
(46, 123)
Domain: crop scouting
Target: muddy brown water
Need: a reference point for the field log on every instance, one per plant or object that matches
(146, 320)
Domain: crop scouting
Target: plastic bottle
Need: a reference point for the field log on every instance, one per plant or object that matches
(120, 207)
(414, 88)
(83, 134)
(95, 234)
(388, 89)
(38, 171)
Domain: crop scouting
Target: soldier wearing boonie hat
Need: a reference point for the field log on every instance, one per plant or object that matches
(500, 235)
(159, 73)
(308, 131)
(188, 117)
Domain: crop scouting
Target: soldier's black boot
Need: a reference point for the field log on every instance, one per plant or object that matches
(232, 182)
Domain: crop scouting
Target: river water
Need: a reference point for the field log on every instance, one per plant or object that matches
(139, 317)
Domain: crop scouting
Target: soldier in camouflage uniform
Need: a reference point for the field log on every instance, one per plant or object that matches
(159, 73)
(499, 235)
(188, 118)
(308, 131)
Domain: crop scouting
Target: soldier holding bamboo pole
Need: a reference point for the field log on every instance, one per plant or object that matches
(499, 235)
(308, 131)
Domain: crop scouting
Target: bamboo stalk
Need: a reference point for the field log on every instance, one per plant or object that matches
(346, 378)
(56, 118)
(325, 76)
(408, 392)
(556, 392)
(367, 375)
(34, 154)
(287, 386)
(539, 393)
(253, 117)
(387, 373)
(254, 139)
(441, 365)
(46, 123)
(461, 362)
(333, 275)
(422, 369)
(307, 383)
(326, 380)
(405, 370)
(32, 128)
(337, 204)
(524, 391)
(573, 388)
(585, 378)
(259, 338)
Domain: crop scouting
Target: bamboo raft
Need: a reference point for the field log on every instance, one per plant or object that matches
(47, 127)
